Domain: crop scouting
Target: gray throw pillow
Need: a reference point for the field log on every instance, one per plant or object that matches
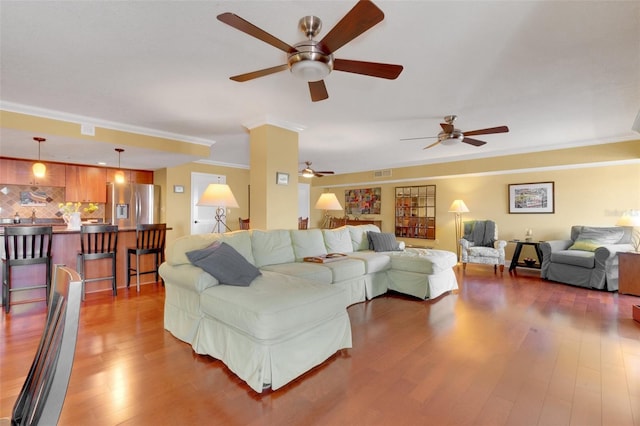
(383, 241)
(225, 264)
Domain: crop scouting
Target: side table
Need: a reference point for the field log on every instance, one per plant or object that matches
(515, 260)
(629, 273)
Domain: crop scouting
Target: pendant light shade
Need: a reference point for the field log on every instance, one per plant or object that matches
(39, 169)
(119, 176)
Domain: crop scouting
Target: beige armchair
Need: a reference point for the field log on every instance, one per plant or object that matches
(480, 244)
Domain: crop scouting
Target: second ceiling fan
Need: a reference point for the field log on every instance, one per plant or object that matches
(450, 133)
(313, 60)
(308, 172)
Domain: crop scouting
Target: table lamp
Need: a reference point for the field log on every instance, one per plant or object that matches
(218, 195)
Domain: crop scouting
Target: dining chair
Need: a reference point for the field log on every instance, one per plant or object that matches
(43, 393)
(303, 223)
(244, 223)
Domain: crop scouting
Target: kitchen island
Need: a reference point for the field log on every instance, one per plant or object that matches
(65, 246)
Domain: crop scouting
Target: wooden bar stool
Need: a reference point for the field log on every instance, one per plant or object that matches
(25, 245)
(98, 242)
(150, 239)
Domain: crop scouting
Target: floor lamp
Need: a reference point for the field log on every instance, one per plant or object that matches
(327, 201)
(218, 195)
(458, 207)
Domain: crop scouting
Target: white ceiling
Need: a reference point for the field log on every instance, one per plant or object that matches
(559, 74)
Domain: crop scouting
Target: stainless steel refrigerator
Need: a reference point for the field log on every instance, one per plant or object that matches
(131, 204)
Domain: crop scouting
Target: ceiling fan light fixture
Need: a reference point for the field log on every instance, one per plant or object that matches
(309, 63)
(307, 173)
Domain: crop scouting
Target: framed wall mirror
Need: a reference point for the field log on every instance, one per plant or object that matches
(416, 212)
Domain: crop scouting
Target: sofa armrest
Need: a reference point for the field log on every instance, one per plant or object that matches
(187, 276)
(547, 248)
(609, 251)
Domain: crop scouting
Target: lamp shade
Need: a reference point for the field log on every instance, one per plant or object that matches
(218, 194)
(629, 218)
(328, 201)
(458, 206)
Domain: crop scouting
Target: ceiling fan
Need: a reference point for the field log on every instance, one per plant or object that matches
(450, 134)
(308, 172)
(313, 60)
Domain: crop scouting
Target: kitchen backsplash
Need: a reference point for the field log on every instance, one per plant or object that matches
(23, 199)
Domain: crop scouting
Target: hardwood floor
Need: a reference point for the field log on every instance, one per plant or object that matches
(503, 350)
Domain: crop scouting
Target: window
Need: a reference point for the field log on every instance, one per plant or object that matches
(416, 211)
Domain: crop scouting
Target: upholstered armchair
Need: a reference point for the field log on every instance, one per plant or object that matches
(588, 259)
(480, 244)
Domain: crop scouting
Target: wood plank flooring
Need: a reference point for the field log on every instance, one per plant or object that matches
(503, 350)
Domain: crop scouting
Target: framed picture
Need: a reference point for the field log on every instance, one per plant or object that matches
(282, 178)
(534, 197)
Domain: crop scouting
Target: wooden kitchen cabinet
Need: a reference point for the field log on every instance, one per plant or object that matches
(133, 176)
(629, 273)
(86, 184)
(20, 172)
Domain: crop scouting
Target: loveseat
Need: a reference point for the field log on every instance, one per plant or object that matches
(588, 259)
(292, 316)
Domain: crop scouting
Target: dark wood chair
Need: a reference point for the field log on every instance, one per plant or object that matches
(303, 223)
(25, 245)
(244, 223)
(150, 239)
(42, 396)
(97, 242)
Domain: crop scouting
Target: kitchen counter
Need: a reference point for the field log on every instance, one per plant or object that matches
(65, 245)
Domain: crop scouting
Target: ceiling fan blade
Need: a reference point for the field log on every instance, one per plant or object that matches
(373, 69)
(326, 172)
(318, 91)
(421, 137)
(432, 145)
(359, 19)
(446, 127)
(499, 129)
(248, 28)
(474, 142)
(260, 73)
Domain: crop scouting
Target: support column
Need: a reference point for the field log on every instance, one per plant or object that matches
(274, 150)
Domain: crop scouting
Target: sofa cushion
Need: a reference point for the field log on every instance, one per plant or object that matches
(383, 241)
(241, 241)
(337, 240)
(591, 238)
(423, 261)
(346, 269)
(359, 240)
(584, 259)
(307, 243)
(224, 263)
(373, 262)
(272, 247)
(307, 270)
(274, 306)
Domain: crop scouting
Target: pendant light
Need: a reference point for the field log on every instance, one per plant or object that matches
(119, 176)
(39, 169)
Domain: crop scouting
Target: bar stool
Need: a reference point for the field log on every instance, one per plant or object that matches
(25, 245)
(98, 242)
(150, 239)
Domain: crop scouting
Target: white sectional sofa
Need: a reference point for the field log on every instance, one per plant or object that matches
(293, 316)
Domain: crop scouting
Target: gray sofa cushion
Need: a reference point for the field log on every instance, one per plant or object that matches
(383, 241)
(584, 259)
(225, 264)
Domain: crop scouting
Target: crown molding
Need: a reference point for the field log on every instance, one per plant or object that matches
(84, 120)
